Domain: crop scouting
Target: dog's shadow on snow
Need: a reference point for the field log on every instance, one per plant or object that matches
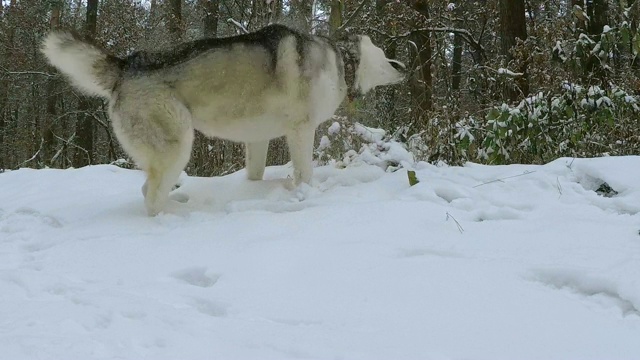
(276, 193)
(234, 193)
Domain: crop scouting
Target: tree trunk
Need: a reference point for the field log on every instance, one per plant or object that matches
(174, 20)
(512, 28)
(52, 96)
(211, 9)
(420, 54)
(9, 33)
(634, 16)
(260, 14)
(420, 83)
(153, 19)
(386, 106)
(335, 16)
(302, 14)
(85, 128)
(456, 63)
(278, 9)
(597, 12)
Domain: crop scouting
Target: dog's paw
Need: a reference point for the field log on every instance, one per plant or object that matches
(289, 184)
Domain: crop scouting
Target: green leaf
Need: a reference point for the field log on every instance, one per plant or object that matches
(493, 114)
(413, 179)
(579, 50)
(626, 36)
(569, 111)
(636, 44)
(604, 44)
(464, 143)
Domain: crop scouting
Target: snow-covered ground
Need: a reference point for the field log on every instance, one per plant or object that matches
(474, 262)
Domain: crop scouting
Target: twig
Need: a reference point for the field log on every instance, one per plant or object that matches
(7, 71)
(29, 73)
(460, 228)
(527, 172)
(355, 13)
(34, 155)
(238, 25)
(112, 150)
(55, 157)
(68, 142)
(465, 34)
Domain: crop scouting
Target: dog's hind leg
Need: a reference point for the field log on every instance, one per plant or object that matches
(165, 165)
(300, 142)
(256, 159)
(163, 172)
(157, 132)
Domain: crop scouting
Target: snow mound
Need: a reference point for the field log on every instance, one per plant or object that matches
(480, 262)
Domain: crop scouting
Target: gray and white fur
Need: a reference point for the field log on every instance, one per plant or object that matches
(249, 88)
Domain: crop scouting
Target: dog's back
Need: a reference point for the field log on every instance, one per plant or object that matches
(244, 88)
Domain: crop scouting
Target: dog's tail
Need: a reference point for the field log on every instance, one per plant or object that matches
(90, 68)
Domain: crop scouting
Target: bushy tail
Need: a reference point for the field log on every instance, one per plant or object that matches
(90, 69)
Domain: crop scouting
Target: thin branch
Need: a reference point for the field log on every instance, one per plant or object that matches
(7, 71)
(503, 71)
(465, 34)
(351, 18)
(34, 155)
(527, 172)
(238, 25)
(55, 157)
(68, 142)
(460, 228)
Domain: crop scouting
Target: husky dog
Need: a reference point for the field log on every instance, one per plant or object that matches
(248, 88)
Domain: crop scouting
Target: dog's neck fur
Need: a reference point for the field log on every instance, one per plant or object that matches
(351, 61)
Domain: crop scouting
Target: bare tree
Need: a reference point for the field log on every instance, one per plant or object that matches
(211, 9)
(513, 28)
(8, 25)
(335, 16)
(301, 11)
(85, 126)
(458, 42)
(52, 94)
(420, 55)
(174, 20)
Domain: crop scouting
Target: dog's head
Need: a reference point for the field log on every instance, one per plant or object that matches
(366, 66)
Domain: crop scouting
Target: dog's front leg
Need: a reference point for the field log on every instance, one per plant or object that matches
(256, 159)
(300, 142)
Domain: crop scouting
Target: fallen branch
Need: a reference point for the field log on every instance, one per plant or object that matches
(505, 178)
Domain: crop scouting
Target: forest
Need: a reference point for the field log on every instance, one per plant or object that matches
(489, 81)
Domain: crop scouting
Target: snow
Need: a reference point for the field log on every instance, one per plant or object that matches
(334, 128)
(324, 142)
(369, 134)
(503, 71)
(473, 262)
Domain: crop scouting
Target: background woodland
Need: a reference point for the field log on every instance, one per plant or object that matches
(494, 81)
